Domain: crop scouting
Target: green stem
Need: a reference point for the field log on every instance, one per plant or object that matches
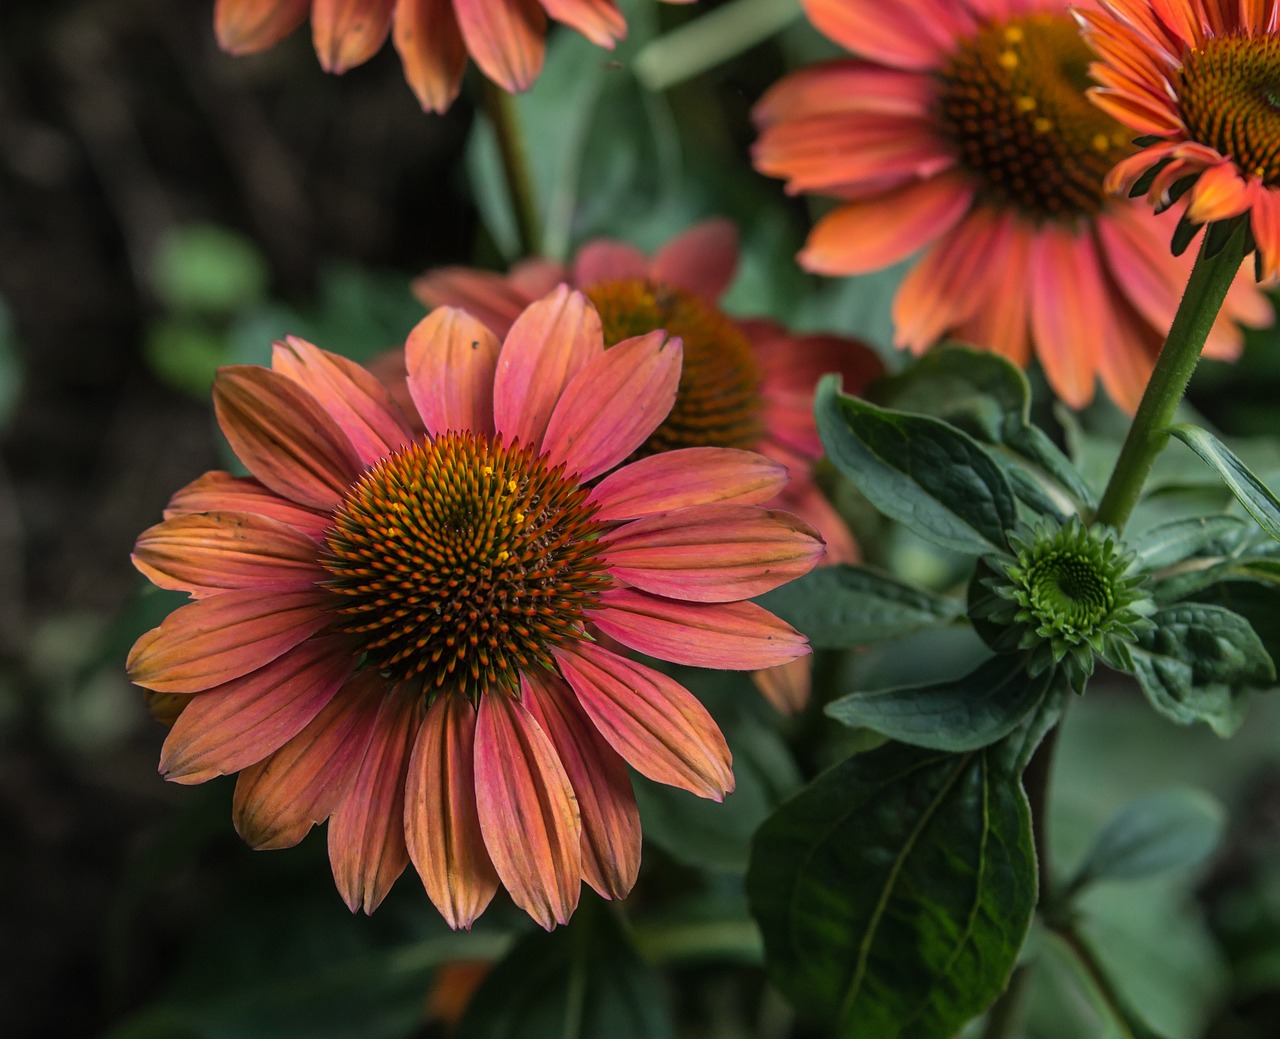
(500, 108)
(1130, 1024)
(1211, 276)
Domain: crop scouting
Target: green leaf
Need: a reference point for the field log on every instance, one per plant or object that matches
(208, 270)
(1251, 492)
(928, 475)
(1178, 540)
(965, 714)
(894, 892)
(576, 982)
(843, 606)
(1163, 831)
(1197, 661)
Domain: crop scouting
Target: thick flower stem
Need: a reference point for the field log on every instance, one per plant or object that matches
(1211, 277)
(500, 108)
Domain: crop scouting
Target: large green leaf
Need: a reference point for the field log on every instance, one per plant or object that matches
(1197, 660)
(577, 982)
(1176, 541)
(1251, 492)
(965, 714)
(842, 606)
(894, 892)
(928, 475)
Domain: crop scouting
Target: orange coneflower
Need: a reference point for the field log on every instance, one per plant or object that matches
(1199, 76)
(409, 635)
(506, 38)
(965, 127)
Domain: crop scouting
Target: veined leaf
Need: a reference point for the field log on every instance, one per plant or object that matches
(1251, 492)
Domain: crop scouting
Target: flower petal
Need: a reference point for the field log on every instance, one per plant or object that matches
(451, 359)
(347, 33)
(366, 832)
(441, 822)
(656, 724)
(896, 34)
(688, 476)
(528, 812)
(431, 49)
(610, 819)
(845, 85)
(1069, 308)
(505, 37)
(613, 404)
(787, 686)
(240, 722)
(553, 340)
(248, 26)
(217, 491)
(216, 551)
(490, 298)
(281, 797)
(702, 261)
(713, 553)
(605, 259)
(350, 395)
(599, 21)
(734, 636)
(284, 436)
(225, 636)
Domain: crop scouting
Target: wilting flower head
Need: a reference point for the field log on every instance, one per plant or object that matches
(1197, 78)
(506, 38)
(964, 127)
(410, 636)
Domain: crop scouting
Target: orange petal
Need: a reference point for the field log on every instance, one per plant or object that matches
(284, 436)
(441, 823)
(506, 39)
(246, 26)
(606, 259)
(688, 476)
(216, 551)
(599, 21)
(528, 812)
(1218, 194)
(225, 636)
(656, 724)
(431, 50)
(1069, 312)
(242, 721)
(281, 797)
(366, 832)
(221, 492)
(347, 33)
(787, 687)
(610, 819)
(451, 359)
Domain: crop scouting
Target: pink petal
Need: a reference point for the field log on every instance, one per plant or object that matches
(787, 687)
(441, 821)
(505, 37)
(216, 551)
(284, 436)
(613, 404)
(221, 492)
(528, 812)
(547, 346)
(599, 21)
(347, 33)
(872, 233)
(431, 49)
(366, 832)
(604, 259)
(701, 261)
(248, 26)
(352, 397)
(713, 553)
(735, 636)
(492, 299)
(610, 819)
(1068, 302)
(240, 722)
(281, 797)
(451, 359)
(845, 85)
(225, 636)
(893, 34)
(1000, 321)
(687, 476)
(806, 500)
(656, 725)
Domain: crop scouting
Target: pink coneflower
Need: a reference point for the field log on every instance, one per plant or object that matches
(409, 636)
(964, 128)
(1200, 76)
(506, 38)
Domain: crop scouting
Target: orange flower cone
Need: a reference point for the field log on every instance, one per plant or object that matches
(963, 128)
(1193, 77)
(407, 635)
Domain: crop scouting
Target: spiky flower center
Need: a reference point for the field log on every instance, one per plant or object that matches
(461, 561)
(1069, 590)
(1229, 90)
(718, 402)
(1012, 98)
